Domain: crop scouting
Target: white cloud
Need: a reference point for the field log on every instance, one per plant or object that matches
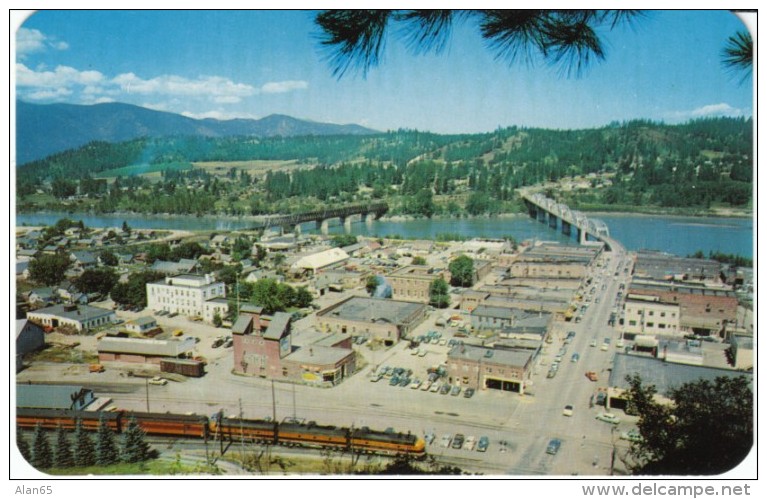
(218, 115)
(278, 87)
(721, 109)
(708, 111)
(29, 41)
(217, 88)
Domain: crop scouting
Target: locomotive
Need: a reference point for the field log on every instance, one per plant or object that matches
(217, 427)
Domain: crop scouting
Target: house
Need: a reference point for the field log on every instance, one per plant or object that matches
(22, 270)
(42, 296)
(141, 325)
(29, 338)
(220, 241)
(83, 260)
(183, 266)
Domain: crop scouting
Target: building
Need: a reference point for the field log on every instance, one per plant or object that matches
(141, 325)
(264, 348)
(490, 368)
(29, 338)
(665, 376)
(648, 315)
(318, 262)
(374, 318)
(412, 283)
(143, 351)
(742, 347)
(54, 397)
(81, 317)
(183, 266)
(189, 295)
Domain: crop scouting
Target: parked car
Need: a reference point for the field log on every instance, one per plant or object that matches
(458, 441)
(435, 387)
(455, 391)
(593, 343)
(593, 376)
(415, 384)
(158, 381)
(568, 411)
(575, 357)
(445, 389)
(608, 417)
(469, 393)
(601, 397)
(445, 441)
(483, 444)
(469, 443)
(631, 435)
(553, 447)
(429, 438)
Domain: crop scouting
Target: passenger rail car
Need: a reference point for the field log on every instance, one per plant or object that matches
(220, 428)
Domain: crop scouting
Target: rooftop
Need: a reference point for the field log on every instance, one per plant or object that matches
(140, 346)
(362, 309)
(74, 312)
(319, 355)
(506, 357)
(47, 396)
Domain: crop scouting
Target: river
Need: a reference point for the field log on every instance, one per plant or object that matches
(674, 234)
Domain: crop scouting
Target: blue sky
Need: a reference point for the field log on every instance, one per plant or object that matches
(249, 64)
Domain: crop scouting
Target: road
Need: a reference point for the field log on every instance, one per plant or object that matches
(526, 423)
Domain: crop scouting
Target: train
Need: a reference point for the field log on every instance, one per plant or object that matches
(217, 427)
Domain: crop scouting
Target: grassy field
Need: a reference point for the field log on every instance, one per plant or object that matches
(127, 171)
(254, 168)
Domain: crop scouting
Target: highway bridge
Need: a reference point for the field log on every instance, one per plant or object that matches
(345, 214)
(588, 229)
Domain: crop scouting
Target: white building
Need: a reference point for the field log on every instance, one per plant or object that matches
(647, 315)
(190, 295)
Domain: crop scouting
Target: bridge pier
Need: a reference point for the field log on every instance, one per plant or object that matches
(369, 218)
(565, 228)
(347, 223)
(541, 216)
(553, 221)
(324, 226)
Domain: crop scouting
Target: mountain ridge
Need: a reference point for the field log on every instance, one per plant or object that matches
(45, 129)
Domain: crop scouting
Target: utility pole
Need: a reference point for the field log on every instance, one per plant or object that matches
(274, 405)
(146, 382)
(242, 435)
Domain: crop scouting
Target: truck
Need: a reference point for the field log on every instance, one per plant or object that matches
(96, 368)
(187, 367)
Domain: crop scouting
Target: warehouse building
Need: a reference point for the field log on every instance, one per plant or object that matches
(80, 317)
(140, 350)
(374, 318)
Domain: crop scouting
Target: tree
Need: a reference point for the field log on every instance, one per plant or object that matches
(342, 240)
(303, 297)
(106, 450)
(564, 38)
(63, 457)
(133, 292)
(706, 429)
(135, 449)
(265, 295)
(42, 458)
(84, 452)
(371, 284)
(99, 281)
(439, 295)
(108, 258)
(419, 260)
(126, 228)
(738, 53)
(23, 445)
(49, 269)
(462, 271)
(217, 321)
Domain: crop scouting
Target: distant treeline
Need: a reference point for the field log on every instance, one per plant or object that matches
(640, 163)
(731, 259)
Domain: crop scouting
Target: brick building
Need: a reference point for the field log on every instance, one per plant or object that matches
(412, 283)
(374, 318)
(264, 348)
(490, 368)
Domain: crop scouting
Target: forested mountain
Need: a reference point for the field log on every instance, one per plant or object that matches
(44, 129)
(700, 164)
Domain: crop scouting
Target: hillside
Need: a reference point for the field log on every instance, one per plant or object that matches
(700, 167)
(43, 130)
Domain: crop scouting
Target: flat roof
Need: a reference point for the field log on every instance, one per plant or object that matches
(141, 346)
(362, 309)
(319, 355)
(506, 357)
(664, 375)
(46, 396)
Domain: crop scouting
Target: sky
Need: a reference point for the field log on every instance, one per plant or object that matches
(250, 64)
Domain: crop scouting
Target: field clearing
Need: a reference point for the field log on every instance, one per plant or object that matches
(129, 171)
(253, 167)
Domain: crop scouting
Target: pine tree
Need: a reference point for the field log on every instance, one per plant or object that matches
(84, 454)
(63, 457)
(23, 446)
(106, 450)
(42, 457)
(134, 447)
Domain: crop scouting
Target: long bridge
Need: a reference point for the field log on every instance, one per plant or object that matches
(345, 214)
(588, 230)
